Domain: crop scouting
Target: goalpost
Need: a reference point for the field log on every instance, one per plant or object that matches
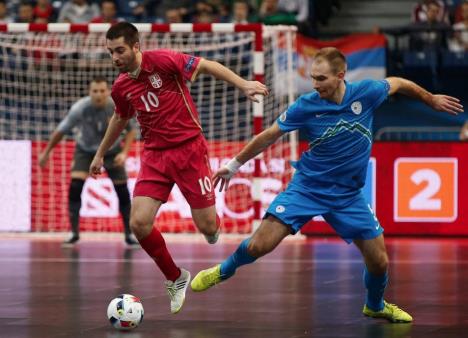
(45, 68)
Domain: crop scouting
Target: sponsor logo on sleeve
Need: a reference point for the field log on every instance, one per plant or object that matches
(189, 64)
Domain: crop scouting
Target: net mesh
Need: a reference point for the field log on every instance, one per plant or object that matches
(43, 74)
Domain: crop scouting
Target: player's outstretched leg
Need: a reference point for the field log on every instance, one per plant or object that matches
(215, 275)
(270, 233)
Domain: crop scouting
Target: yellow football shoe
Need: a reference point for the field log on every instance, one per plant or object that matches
(205, 279)
(390, 312)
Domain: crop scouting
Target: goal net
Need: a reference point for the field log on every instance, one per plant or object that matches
(44, 71)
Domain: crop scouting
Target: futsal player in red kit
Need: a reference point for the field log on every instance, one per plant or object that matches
(151, 85)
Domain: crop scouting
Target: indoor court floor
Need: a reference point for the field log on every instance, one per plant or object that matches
(308, 287)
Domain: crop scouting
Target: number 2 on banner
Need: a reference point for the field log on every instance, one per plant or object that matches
(425, 189)
(151, 99)
(205, 185)
(424, 200)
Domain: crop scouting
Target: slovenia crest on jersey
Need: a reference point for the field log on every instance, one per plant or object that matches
(356, 107)
(155, 80)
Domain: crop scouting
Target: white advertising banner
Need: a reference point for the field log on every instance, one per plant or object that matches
(15, 185)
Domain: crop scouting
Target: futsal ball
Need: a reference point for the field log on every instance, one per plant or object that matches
(125, 312)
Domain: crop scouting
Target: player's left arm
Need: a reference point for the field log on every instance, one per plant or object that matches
(250, 88)
(257, 145)
(129, 137)
(437, 102)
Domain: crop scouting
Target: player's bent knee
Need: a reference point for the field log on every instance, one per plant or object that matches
(380, 264)
(207, 227)
(140, 226)
(256, 248)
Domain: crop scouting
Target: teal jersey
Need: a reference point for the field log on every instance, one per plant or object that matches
(339, 136)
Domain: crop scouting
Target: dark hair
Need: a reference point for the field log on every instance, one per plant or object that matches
(111, 1)
(99, 79)
(334, 57)
(433, 3)
(26, 3)
(126, 30)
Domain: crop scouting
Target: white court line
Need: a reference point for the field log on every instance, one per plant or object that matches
(214, 261)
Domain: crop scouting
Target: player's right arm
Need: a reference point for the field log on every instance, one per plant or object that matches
(54, 140)
(66, 125)
(257, 145)
(250, 88)
(116, 125)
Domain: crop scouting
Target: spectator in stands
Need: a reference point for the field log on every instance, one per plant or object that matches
(270, 14)
(4, 17)
(421, 11)
(78, 11)
(240, 11)
(155, 10)
(174, 15)
(205, 12)
(25, 13)
(148, 10)
(298, 7)
(224, 12)
(460, 40)
(108, 13)
(43, 12)
(458, 11)
(430, 34)
(464, 132)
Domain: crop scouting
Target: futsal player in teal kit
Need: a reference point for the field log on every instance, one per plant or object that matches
(337, 118)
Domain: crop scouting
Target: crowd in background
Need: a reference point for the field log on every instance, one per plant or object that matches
(303, 13)
(438, 24)
(431, 19)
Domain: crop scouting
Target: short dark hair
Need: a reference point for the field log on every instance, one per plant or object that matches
(99, 79)
(433, 3)
(126, 30)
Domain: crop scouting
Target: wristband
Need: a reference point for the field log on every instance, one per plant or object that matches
(233, 165)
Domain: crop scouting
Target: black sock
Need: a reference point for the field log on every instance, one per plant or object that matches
(74, 204)
(124, 205)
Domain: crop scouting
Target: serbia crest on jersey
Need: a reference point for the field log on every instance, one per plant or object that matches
(339, 135)
(155, 80)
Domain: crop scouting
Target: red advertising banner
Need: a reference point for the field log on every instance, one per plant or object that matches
(421, 189)
(415, 188)
(99, 209)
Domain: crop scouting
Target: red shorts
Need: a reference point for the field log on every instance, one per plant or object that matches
(187, 166)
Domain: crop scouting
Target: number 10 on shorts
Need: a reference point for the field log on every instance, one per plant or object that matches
(425, 189)
(205, 185)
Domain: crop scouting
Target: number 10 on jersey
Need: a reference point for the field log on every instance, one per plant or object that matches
(150, 100)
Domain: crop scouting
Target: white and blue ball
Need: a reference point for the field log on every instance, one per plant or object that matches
(125, 312)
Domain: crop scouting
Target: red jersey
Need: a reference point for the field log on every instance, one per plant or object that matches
(160, 98)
